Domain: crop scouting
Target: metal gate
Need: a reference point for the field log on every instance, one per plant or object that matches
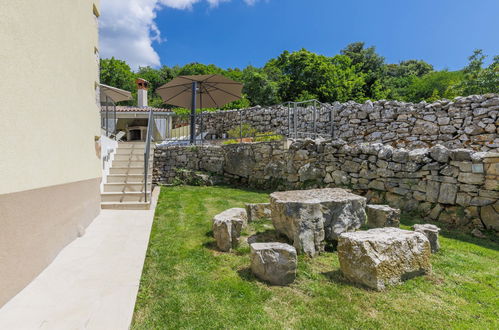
(310, 119)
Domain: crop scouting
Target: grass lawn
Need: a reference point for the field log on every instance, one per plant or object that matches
(186, 283)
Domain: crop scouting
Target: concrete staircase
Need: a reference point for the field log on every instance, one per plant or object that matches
(125, 183)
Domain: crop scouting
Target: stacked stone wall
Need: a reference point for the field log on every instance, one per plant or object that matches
(458, 187)
(466, 122)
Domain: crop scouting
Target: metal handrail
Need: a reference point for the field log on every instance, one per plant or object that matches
(147, 152)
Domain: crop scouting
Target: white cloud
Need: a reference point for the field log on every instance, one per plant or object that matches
(127, 28)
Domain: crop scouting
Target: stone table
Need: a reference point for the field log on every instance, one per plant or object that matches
(310, 218)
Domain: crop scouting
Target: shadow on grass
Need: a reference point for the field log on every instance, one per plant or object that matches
(269, 235)
(246, 274)
(211, 245)
(337, 277)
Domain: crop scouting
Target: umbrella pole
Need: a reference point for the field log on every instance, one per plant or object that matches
(193, 113)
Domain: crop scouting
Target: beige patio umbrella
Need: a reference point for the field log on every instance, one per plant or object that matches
(212, 91)
(198, 92)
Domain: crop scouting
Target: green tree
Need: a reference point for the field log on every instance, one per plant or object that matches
(328, 78)
(198, 68)
(117, 73)
(478, 80)
(258, 87)
(490, 76)
(434, 84)
(400, 76)
(370, 64)
(156, 78)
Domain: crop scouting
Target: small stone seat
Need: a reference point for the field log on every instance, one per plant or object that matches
(380, 257)
(379, 216)
(274, 262)
(431, 232)
(227, 228)
(257, 211)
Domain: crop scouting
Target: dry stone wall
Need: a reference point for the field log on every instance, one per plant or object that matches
(458, 187)
(466, 122)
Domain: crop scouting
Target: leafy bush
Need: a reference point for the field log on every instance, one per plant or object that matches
(268, 136)
(250, 132)
(245, 130)
(231, 142)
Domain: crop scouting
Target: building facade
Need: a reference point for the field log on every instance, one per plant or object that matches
(50, 168)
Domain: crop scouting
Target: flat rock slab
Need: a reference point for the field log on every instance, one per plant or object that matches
(310, 218)
(257, 211)
(227, 227)
(431, 232)
(379, 216)
(274, 262)
(383, 256)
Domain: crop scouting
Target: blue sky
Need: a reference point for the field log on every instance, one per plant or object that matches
(236, 33)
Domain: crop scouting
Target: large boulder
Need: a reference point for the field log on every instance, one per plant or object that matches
(227, 228)
(383, 256)
(379, 216)
(431, 232)
(274, 262)
(310, 218)
(257, 211)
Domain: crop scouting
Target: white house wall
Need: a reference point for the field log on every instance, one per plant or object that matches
(49, 161)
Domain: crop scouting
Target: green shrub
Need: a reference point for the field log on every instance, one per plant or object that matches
(268, 136)
(231, 142)
(244, 130)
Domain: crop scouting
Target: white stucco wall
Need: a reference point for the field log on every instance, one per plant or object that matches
(48, 111)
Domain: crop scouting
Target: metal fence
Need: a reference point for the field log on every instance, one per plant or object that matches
(108, 117)
(308, 119)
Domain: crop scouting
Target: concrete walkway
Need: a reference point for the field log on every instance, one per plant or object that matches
(93, 282)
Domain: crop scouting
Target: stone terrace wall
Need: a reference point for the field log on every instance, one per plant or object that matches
(457, 187)
(470, 122)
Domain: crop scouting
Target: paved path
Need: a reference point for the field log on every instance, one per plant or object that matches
(93, 282)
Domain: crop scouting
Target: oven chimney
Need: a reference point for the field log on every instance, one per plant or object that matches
(142, 86)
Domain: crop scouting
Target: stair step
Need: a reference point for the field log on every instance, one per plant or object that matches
(134, 147)
(118, 197)
(134, 157)
(131, 143)
(128, 170)
(126, 151)
(125, 187)
(126, 205)
(129, 163)
(127, 178)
